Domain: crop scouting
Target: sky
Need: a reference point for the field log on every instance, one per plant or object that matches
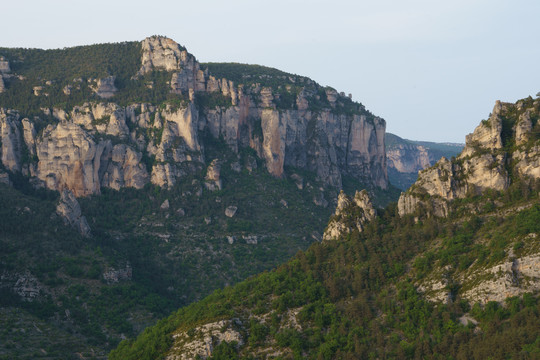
(432, 69)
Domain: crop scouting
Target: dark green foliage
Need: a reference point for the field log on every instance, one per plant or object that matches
(213, 100)
(96, 61)
(251, 74)
(225, 351)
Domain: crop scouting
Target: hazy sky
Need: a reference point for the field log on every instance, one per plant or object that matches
(433, 69)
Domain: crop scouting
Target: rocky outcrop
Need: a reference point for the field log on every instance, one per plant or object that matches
(113, 276)
(69, 158)
(105, 88)
(230, 211)
(25, 285)
(10, 137)
(510, 278)
(483, 164)
(159, 52)
(199, 342)
(337, 144)
(351, 214)
(69, 209)
(212, 181)
(124, 168)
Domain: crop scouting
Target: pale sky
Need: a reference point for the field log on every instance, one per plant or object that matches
(433, 69)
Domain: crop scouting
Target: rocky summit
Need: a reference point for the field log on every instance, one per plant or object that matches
(502, 149)
(94, 133)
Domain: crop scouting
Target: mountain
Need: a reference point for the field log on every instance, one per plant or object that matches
(135, 180)
(141, 117)
(405, 158)
(403, 282)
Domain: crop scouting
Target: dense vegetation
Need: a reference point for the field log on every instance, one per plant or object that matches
(356, 297)
(253, 74)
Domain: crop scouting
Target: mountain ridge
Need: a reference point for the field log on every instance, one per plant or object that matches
(301, 124)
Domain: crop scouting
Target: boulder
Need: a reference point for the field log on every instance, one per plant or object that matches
(165, 205)
(230, 211)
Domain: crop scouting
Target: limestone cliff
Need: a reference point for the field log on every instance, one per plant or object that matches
(296, 123)
(506, 144)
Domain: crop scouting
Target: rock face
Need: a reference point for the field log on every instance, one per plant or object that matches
(70, 158)
(510, 278)
(104, 144)
(105, 88)
(69, 209)
(350, 214)
(11, 140)
(484, 162)
(408, 158)
(212, 180)
(200, 341)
